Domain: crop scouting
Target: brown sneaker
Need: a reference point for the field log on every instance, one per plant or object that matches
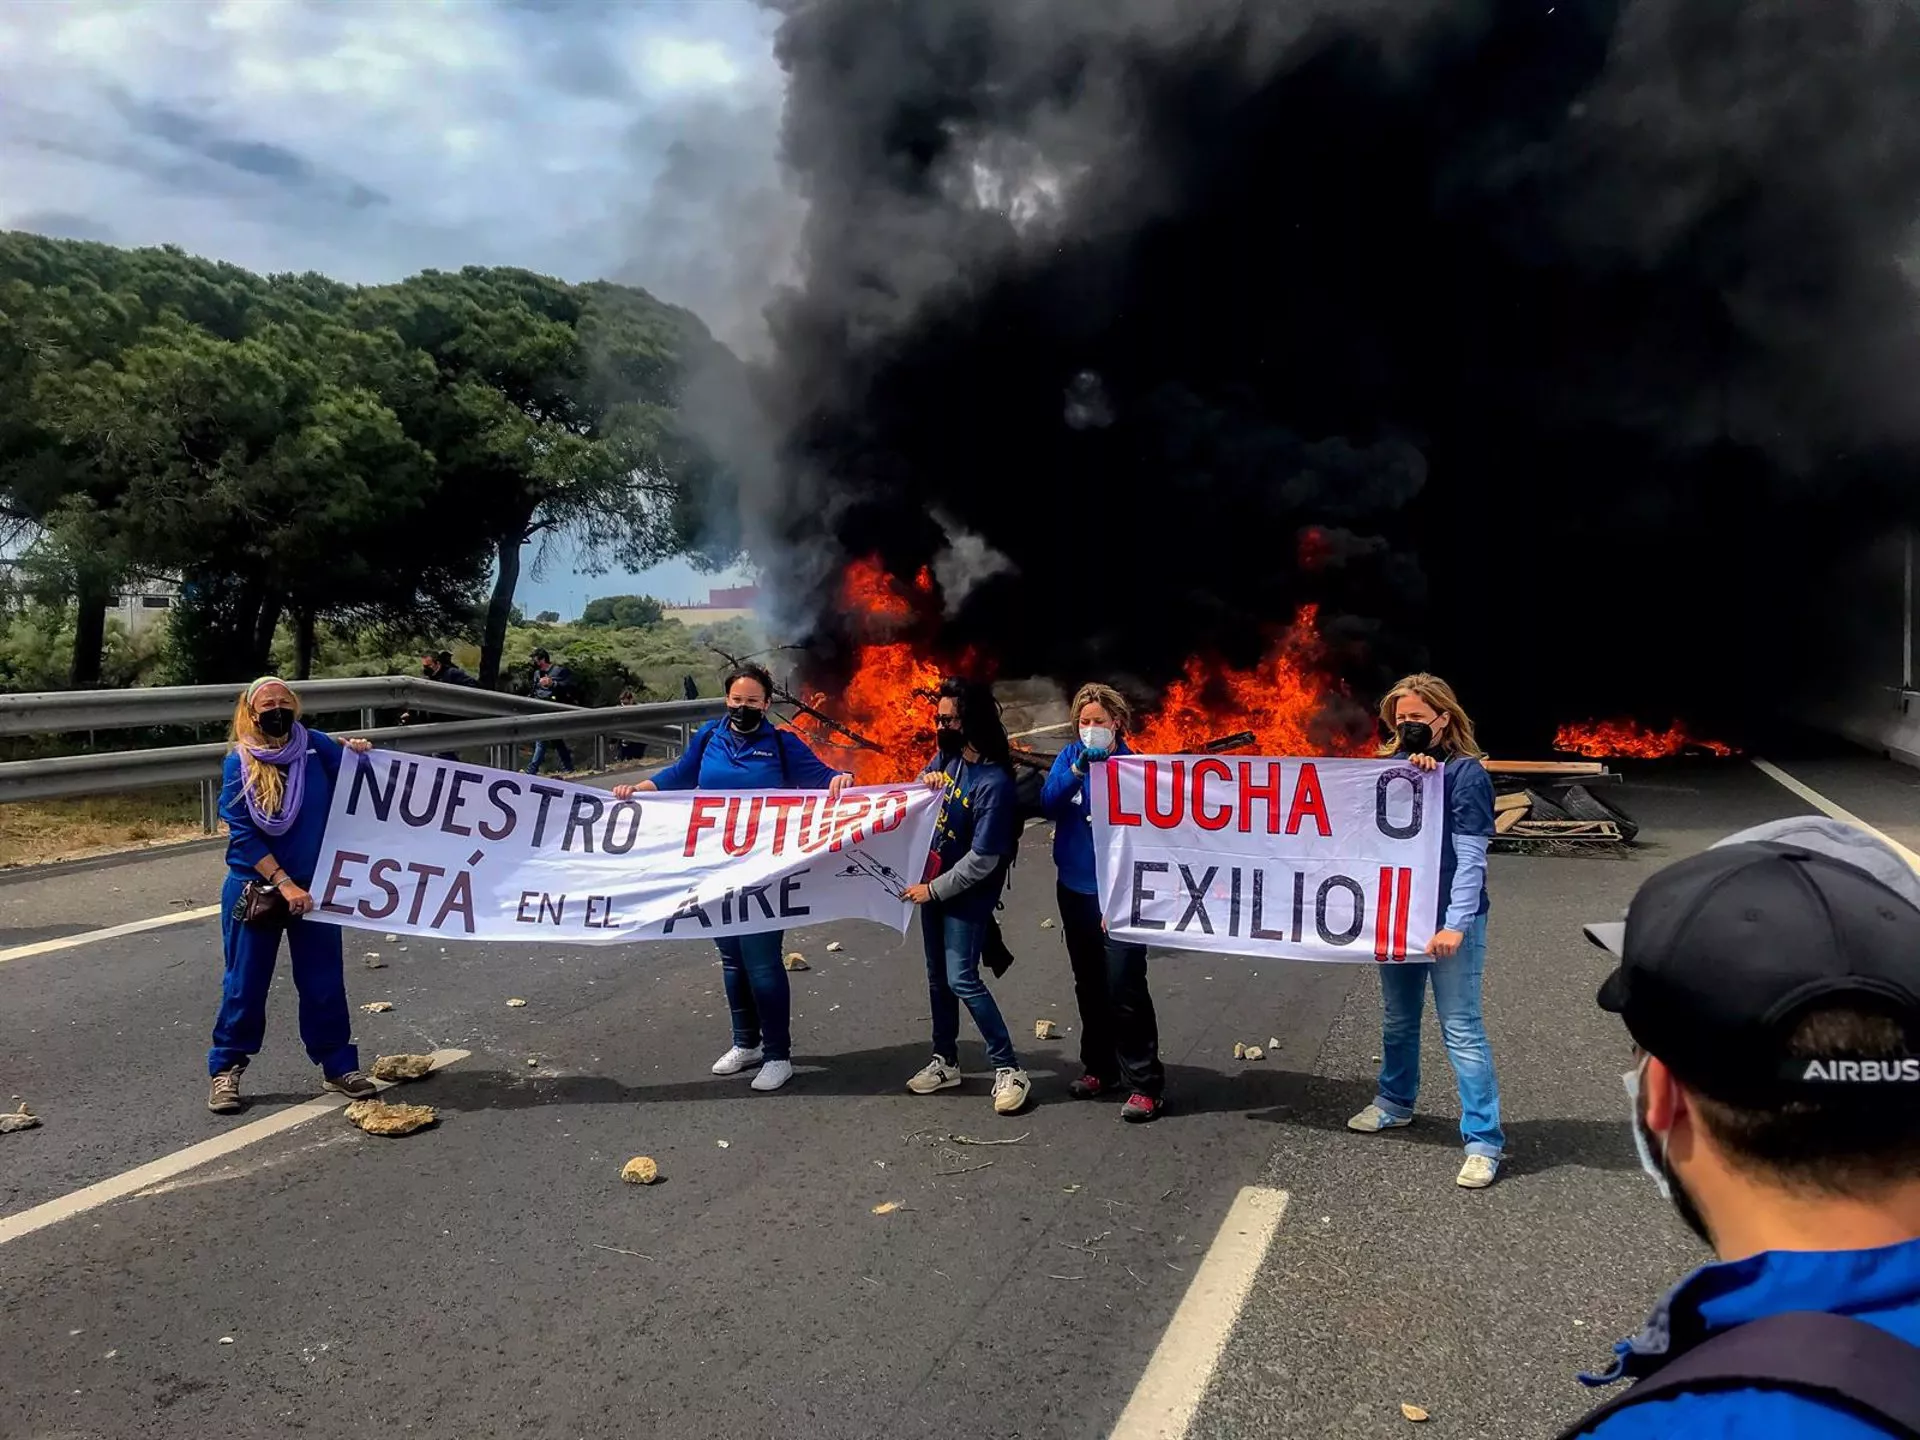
(355, 1085)
(223, 1096)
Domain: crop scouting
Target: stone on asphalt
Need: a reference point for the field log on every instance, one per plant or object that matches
(516, 1004)
(641, 1170)
(1413, 1412)
(377, 1007)
(377, 1117)
(402, 1067)
(1045, 1029)
(797, 961)
(21, 1119)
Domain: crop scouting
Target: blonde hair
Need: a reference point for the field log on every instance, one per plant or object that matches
(266, 783)
(1457, 738)
(1108, 699)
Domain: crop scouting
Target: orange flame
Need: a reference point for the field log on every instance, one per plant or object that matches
(1602, 739)
(1283, 701)
(889, 698)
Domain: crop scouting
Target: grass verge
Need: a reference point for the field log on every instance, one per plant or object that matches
(42, 831)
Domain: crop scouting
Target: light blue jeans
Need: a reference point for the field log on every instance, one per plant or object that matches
(1456, 1000)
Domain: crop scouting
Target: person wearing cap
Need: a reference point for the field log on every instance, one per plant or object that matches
(276, 790)
(1771, 986)
(1427, 725)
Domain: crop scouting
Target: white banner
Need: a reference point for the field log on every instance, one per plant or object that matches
(1296, 859)
(431, 847)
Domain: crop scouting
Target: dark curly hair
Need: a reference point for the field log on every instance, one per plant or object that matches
(747, 670)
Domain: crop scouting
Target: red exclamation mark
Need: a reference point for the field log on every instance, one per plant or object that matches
(1402, 905)
(1383, 913)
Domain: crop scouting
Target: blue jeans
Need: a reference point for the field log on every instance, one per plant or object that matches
(1456, 1000)
(319, 975)
(540, 756)
(953, 977)
(757, 993)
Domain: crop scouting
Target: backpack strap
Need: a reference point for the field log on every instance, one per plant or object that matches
(1841, 1362)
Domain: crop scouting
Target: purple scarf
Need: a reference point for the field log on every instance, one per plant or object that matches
(292, 757)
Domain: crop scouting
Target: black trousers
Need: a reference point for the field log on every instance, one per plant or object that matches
(1119, 1035)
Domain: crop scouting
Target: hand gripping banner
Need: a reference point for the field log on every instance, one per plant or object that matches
(431, 847)
(1295, 859)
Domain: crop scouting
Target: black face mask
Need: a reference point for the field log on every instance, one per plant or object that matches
(1416, 737)
(951, 742)
(277, 723)
(744, 718)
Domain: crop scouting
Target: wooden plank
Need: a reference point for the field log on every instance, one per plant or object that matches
(1545, 767)
(1506, 820)
(1564, 830)
(1518, 800)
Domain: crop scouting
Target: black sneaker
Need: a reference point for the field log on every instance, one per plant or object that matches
(355, 1085)
(223, 1096)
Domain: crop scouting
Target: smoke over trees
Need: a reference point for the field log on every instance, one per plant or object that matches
(1569, 347)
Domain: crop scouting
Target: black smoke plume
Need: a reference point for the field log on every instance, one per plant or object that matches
(1567, 348)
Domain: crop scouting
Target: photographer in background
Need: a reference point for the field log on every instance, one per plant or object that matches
(551, 682)
(1772, 989)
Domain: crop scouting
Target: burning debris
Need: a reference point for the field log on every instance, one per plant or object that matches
(1609, 739)
(1589, 319)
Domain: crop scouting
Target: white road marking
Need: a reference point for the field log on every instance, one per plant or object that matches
(154, 1172)
(1183, 1363)
(87, 937)
(1820, 802)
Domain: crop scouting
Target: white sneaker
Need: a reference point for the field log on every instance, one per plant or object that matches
(937, 1076)
(1010, 1089)
(736, 1060)
(1478, 1172)
(1373, 1119)
(773, 1075)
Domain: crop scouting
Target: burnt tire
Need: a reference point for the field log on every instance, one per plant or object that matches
(1545, 809)
(1581, 803)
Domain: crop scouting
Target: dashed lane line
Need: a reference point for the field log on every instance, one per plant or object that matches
(1820, 802)
(88, 937)
(1182, 1366)
(154, 1172)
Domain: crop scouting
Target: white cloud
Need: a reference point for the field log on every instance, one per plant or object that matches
(690, 64)
(370, 139)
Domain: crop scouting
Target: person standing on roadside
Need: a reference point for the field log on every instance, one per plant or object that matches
(438, 666)
(551, 682)
(277, 786)
(1430, 728)
(975, 839)
(1119, 1034)
(1771, 987)
(746, 751)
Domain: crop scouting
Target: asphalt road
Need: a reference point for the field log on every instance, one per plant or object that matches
(493, 1276)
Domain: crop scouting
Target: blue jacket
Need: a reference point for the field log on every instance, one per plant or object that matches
(299, 849)
(719, 758)
(1063, 799)
(1879, 1286)
(1469, 813)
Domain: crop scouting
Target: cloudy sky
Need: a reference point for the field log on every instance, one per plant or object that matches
(369, 139)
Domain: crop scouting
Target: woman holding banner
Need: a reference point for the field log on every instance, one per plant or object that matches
(1430, 728)
(975, 839)
(746, 751)
(1119, 1035)
(278, 787)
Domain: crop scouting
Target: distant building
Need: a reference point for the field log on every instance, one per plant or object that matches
(736, 597)
(143, 604)
(728, 602)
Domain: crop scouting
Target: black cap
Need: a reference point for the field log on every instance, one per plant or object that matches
(1723, 953)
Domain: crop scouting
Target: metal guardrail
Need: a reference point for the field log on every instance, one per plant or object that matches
(59, 777)
(57, 711)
